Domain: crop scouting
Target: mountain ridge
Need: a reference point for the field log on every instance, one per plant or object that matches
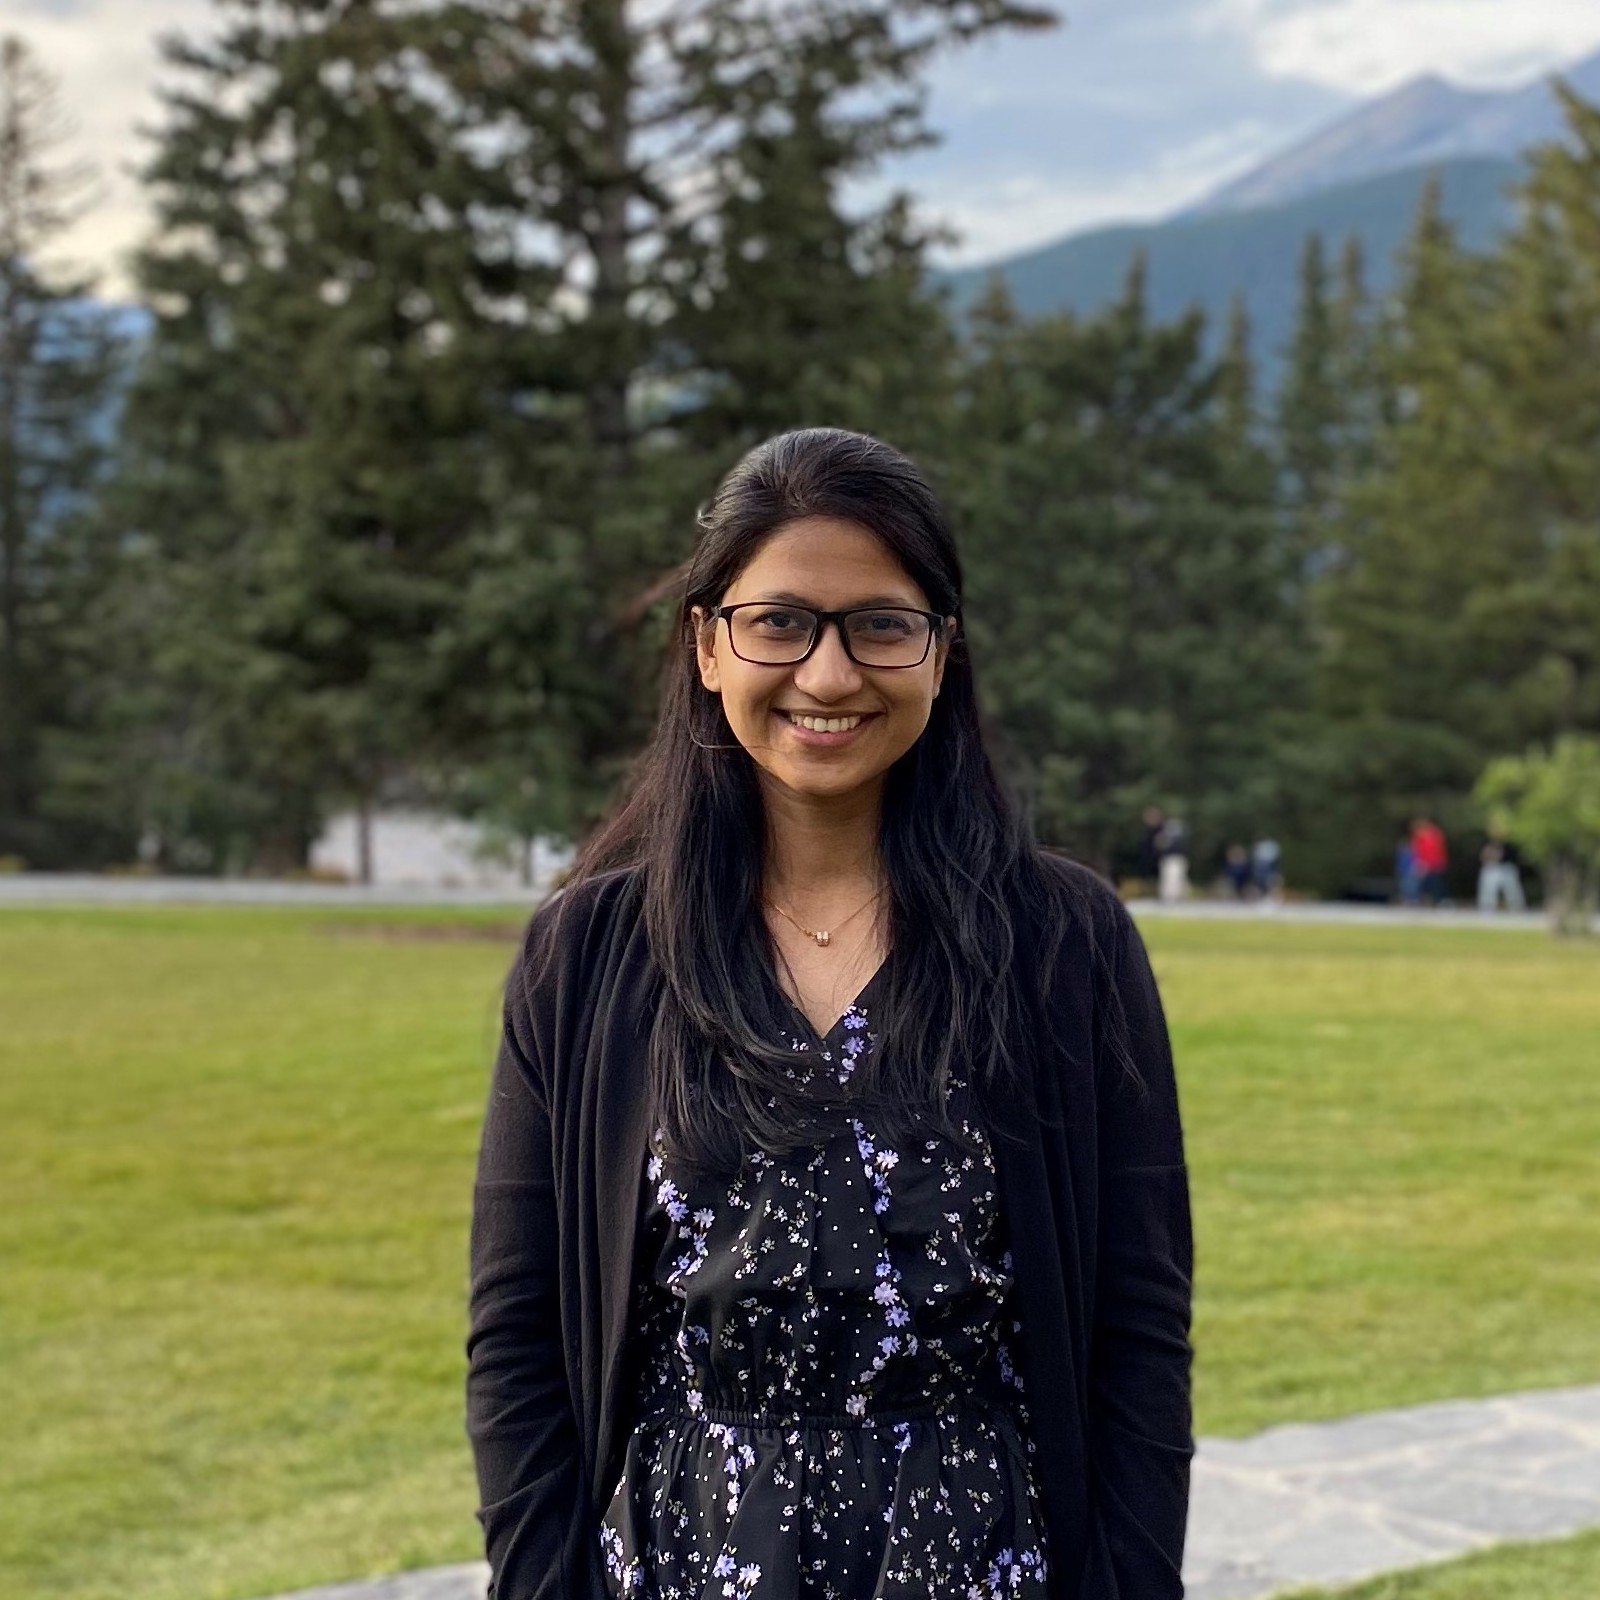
(1206, 260)
(1425, 120)
(1360, 177)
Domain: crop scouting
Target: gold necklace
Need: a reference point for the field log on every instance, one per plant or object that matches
(823, 937)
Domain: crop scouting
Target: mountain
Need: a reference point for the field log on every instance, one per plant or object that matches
(1362, 177)
(1207, 259)
(1425, 122)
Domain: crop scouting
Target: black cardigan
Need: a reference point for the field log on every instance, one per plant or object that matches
(1091, 1178)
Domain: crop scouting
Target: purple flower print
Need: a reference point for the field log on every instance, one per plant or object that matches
(672, 1200)
(781, 1294)
(877, 1163)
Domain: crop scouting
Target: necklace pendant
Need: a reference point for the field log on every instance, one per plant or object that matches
(823, 937)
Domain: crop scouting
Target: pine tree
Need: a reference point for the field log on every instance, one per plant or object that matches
(306, 444)
(461, 307)
(1242, 436)
(1236, 379)
(58, 360)
(818, 317)
(1311, 403)
(1366, 402)
(685, 169)
(687, 163)
(1462, 624)
(1128, 590)
(1540, 452)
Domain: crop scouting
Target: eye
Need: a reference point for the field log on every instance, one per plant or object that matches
(777, 622)
(885, 624)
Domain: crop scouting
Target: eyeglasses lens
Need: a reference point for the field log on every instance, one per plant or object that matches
(777, 635)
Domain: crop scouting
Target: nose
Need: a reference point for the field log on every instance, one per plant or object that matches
(828, 673)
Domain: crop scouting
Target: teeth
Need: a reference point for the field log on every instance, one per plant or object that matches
(823, 724)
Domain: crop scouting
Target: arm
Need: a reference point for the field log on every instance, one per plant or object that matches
(1141, 1436)
(534, 1503)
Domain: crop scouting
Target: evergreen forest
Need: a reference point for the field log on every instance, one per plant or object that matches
(452, 314)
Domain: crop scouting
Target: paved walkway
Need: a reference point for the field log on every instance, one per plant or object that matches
(87, 889)
(79, 889)
(1327, 1502)
(1349, 913)
(1332, 1502)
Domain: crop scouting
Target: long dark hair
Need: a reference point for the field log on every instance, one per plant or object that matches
(960, 993)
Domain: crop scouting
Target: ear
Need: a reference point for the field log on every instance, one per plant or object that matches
(941, 651)
(705, 650)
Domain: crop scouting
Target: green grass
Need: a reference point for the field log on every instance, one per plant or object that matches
(235, 1189)
(1566, 1569)
(1392, 1135)
(236, 1206)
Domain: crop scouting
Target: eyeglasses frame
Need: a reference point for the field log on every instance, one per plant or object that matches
(935, 622)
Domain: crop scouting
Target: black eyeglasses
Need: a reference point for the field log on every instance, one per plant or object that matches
(774, 635)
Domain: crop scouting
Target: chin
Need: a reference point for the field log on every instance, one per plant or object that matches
(824, 785)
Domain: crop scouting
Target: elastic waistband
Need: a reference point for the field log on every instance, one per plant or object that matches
(722, 1416)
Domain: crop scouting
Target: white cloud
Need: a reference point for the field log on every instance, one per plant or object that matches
(104, 55)
(1365, 47)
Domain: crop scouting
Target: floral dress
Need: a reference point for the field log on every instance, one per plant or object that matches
(831, 1411)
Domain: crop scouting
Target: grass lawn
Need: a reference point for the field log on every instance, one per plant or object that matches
(1567, 1569)
(238, 1149)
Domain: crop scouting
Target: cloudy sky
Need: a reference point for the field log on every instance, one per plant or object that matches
(1131, 109)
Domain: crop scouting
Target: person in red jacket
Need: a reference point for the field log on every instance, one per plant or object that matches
(1430, 856)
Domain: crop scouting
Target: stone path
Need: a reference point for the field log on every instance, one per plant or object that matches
(1331, 1502)
(84, 889)
(1326, 1502)
(1349, 914)
(81, 889)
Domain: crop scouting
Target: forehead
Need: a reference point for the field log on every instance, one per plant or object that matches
(828, 561)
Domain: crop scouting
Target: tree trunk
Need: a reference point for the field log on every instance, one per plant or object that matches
(1571, 892)
(14, 786)
(364, 839)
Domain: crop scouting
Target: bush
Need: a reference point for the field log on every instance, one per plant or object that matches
(1548, 803)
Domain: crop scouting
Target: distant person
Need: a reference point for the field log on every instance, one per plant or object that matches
(1236, 871)
(1172, 846)
(805, 1261)
(1407, 885)
(1500, 875)
(1266, 867)
(1431, 854)
(1154, 820)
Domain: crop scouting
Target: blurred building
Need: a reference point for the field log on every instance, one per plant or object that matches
(419, 849)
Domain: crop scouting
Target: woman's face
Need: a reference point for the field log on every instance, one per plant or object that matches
(828, 565)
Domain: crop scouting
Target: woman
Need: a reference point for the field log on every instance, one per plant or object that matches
(831, 1235)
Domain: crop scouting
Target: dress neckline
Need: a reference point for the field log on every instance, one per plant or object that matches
(824, 1040)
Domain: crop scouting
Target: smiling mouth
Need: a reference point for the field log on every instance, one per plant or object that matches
(843, 724)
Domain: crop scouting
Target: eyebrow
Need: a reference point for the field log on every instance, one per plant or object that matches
(789, 599)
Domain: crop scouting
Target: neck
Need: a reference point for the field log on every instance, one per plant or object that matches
(819, 851)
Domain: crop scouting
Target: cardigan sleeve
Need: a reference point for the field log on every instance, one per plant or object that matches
(1140, 1357)
(533, 1502)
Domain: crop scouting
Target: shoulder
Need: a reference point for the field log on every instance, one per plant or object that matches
(597, 899)
(1084, 904)
(1099, 958)
(570, 954)
(571, 931)
(1075, 879)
